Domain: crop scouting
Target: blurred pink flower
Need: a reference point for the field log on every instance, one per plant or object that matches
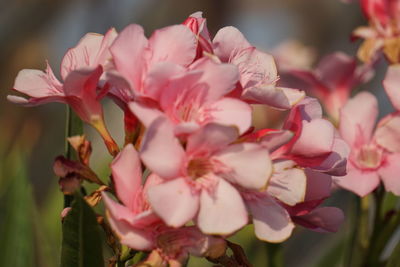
(369, 162)
(383, 33)
(332, 81)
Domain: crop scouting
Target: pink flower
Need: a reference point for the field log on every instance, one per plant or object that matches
(383, 32)
(369, 162)
(197, 97)
(81, 70)
(198, 180)
(139, 228)
(332, 81)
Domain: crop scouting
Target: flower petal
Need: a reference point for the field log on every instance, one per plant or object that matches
(118, 217)
(389, 173)
(210, 138)
(358, 117)
(357, 181)
(310, 144)
(248, 164)
(129, 54)
(387, 133)
(174, 201)
(324, 219)
(391, 83)
(227, 41)
(288, 185)
(232, 112)
(161, 151)
(271, 221)
(175, 44)
(127, 175)
(221, 212)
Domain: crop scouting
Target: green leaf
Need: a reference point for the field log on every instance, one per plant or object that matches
(16, 221)
(81, 245)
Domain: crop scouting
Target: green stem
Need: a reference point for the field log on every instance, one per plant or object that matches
(274, 255)
(74, 126)
(359, 235)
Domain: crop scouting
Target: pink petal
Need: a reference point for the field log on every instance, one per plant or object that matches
(232, 112)
(275, 139)
(256, 68)
(146, 114)
(271, 221)
(318, 185)
(175, 43)
(159, 77)
(210, 138)
(311, 144)
(222, 211)
(248, 165)
(161, 151)
(229, 41)
(387, 133)
(389, 173)
(127, 175)
(38, 84)
(278, 97)
(129, 52)
(337, 70)
(220, 79)
(118, 215)
(324, 219)
(81, 89)
(358, 117)
(358, 181)
(174, 201)
(336, 162)
(82, 55)
(391, 83)
(288, 185)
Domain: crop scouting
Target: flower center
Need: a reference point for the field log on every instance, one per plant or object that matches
(199, 167)
(369, 157)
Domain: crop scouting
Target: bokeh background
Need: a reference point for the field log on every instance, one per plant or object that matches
(32, 31)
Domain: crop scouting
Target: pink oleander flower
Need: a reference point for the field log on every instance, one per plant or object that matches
(81, 71)
(139, 228)
(258, 73)
(199, 180)
(324, 152)
(369, 162)
(332, 80)
(383, 33)
(197, 97)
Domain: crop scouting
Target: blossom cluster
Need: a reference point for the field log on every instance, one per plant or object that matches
(193, 169)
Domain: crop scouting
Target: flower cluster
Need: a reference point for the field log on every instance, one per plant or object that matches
(187, 100)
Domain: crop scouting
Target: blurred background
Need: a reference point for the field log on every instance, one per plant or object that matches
(32, 31)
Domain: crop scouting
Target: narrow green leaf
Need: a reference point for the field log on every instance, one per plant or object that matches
(81, 245)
